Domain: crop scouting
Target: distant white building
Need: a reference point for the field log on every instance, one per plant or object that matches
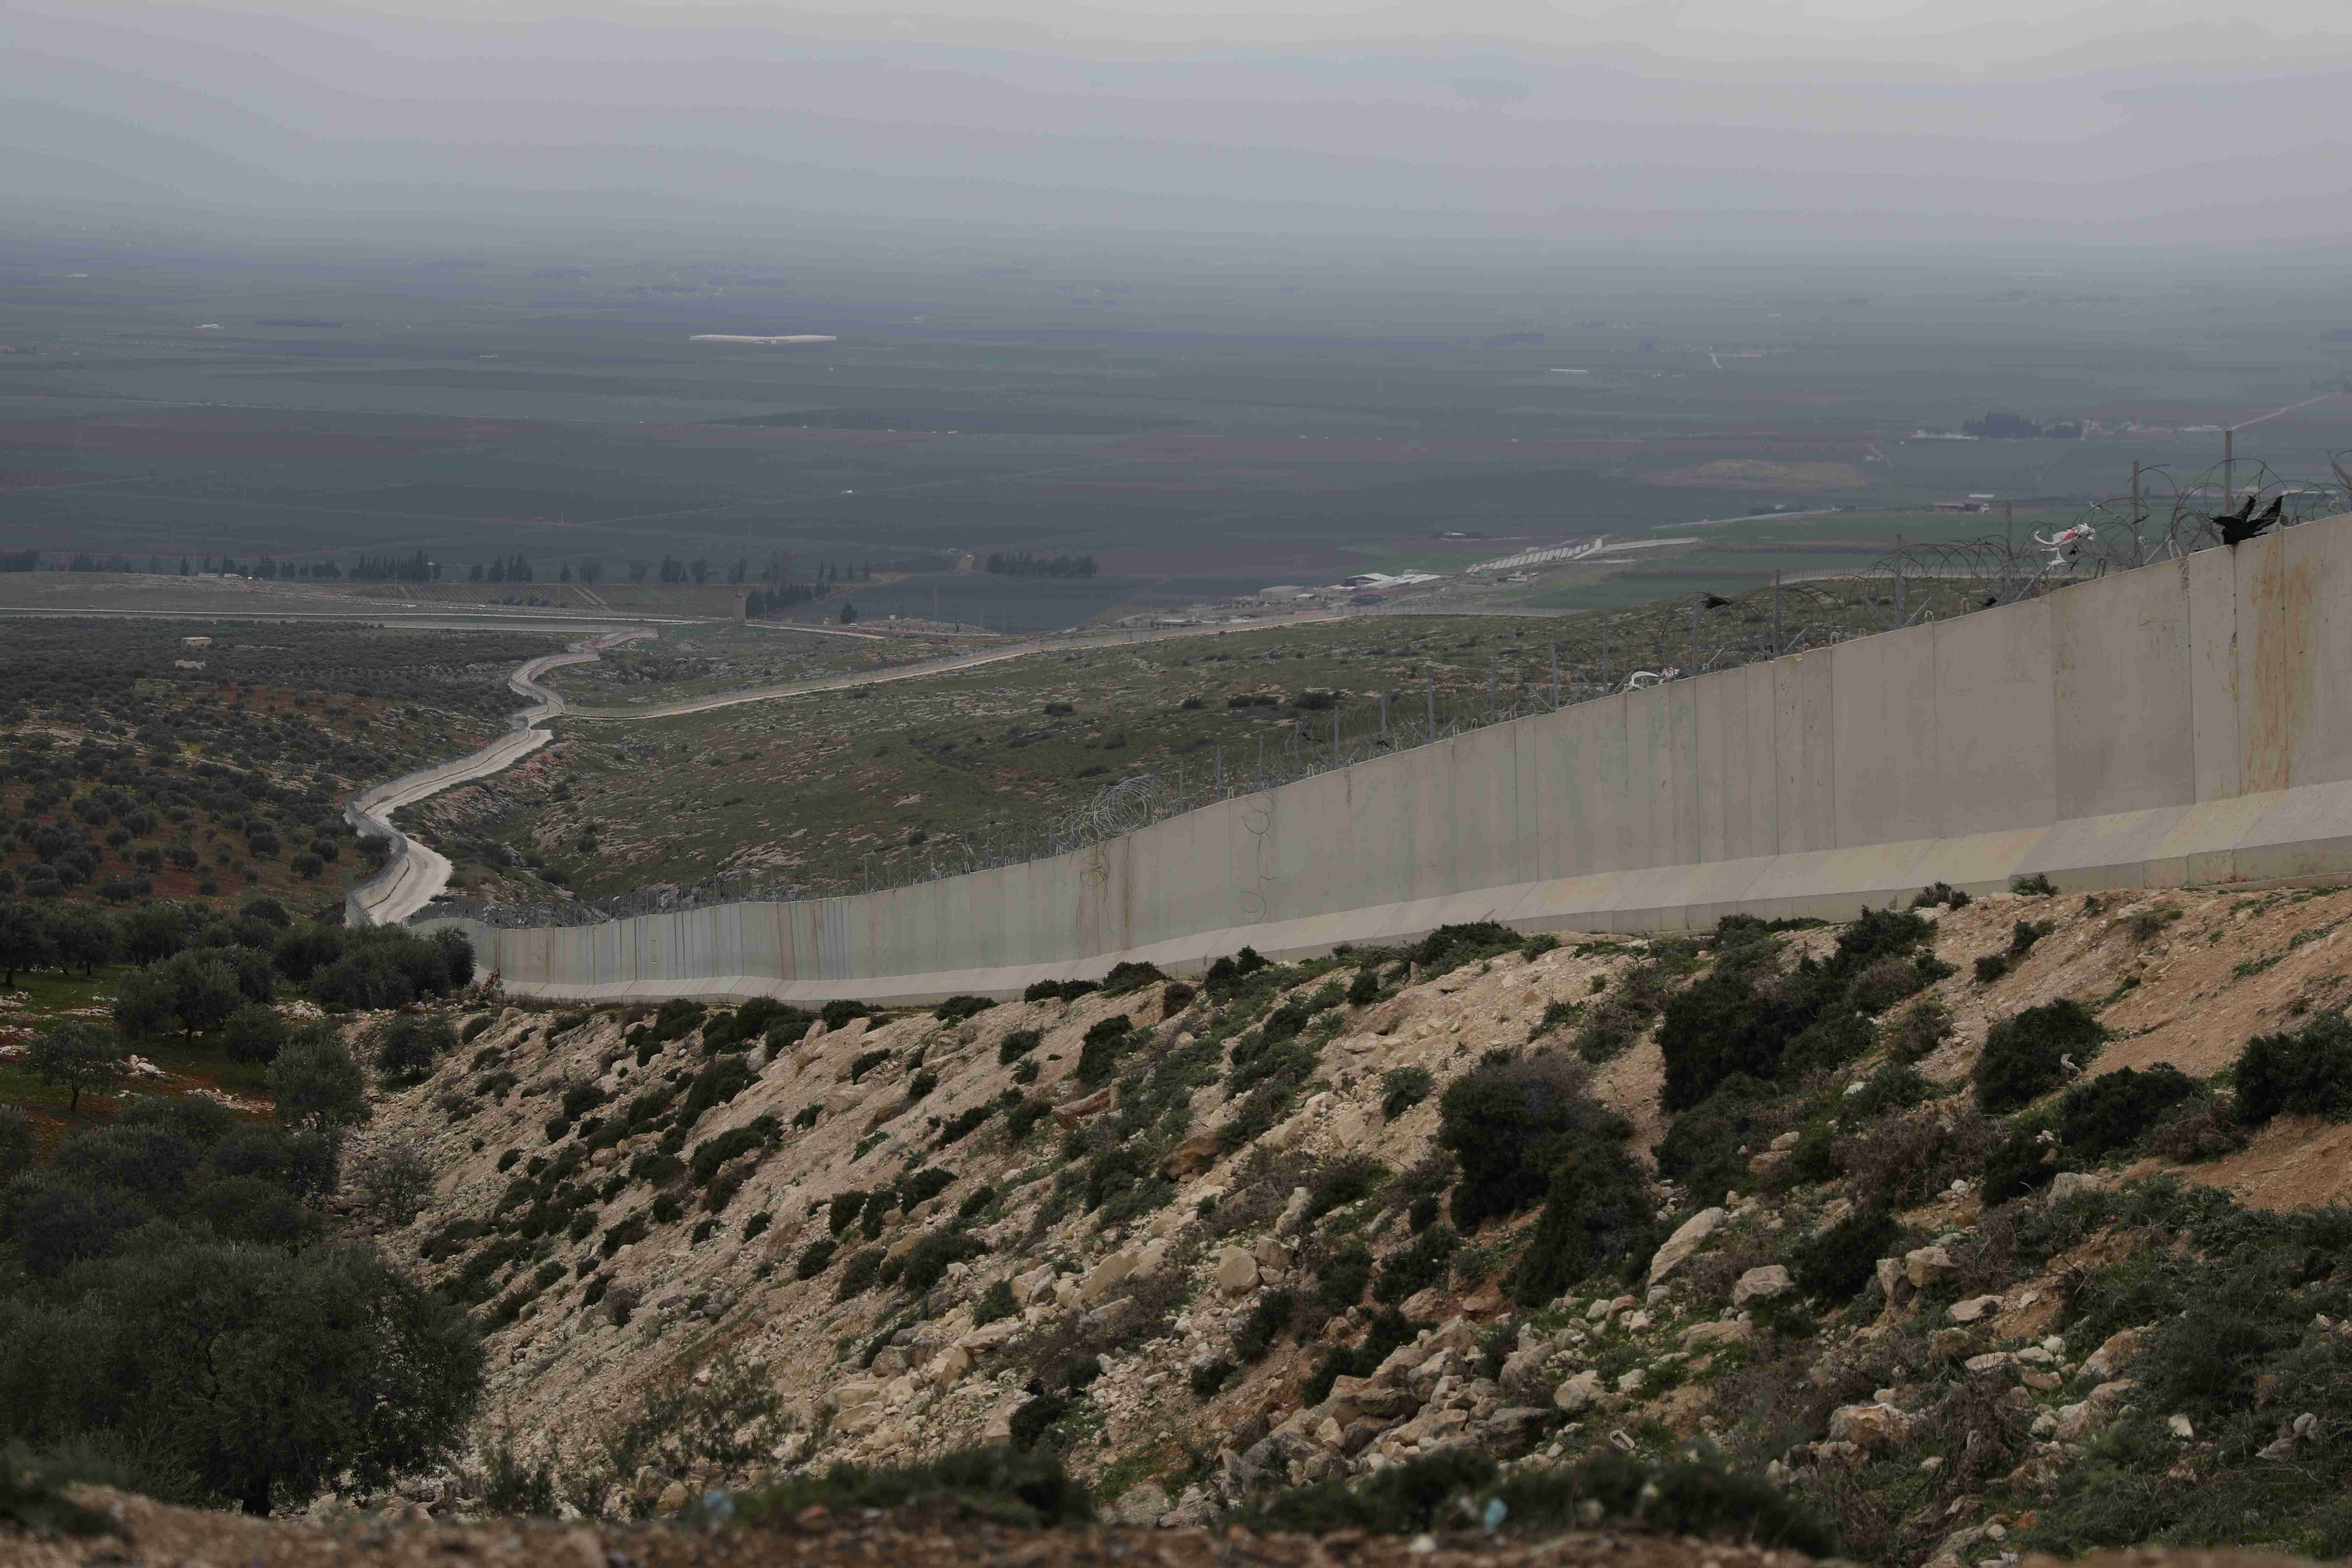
(1284, 593)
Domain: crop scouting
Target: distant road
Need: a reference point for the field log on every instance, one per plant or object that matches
(944, 666)
(415, 875)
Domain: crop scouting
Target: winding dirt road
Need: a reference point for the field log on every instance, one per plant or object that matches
(415, 874)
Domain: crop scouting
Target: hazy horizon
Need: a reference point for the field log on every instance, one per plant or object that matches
(1866, 123)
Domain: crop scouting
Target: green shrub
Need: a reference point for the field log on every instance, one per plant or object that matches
(411, 1046)
(1005, 1486)
(1596, 1215)
(994, 1303)
(1210, 1377)
(1022, 1118)
(2111, 1112)
(920, 1186)
(842, 1010)
(859, 1274)
(475, 1027)
(2019, 1165)
(1507, 1123)
(1942, 893)
(843, 1212)
(928, 1261)
(956, 1009)
(2023, 1056)
(1450, 947)
(1834, 1264)
(1692, 1494)
(1701, 1151)
(865, 1062)
(2033, 886)
(1402, 1089)
(1365, 988)
(2306, 1073)
(1418, 1266)
(806, 1116)
(1344, 1182)
(965, 1122)
(1125, 977)
(1058, 990)
(1991, 967)
(716, 1084)
(1267, 1321)
(1398, 1501)
(1174, 997)
(1341, 1278)
(1105, 1042)
(814, 1257)
(1017, 1045)
(974, 1202)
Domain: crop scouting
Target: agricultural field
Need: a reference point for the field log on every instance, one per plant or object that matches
(143, 760)
(696, 661)
(827, 792)
(1202, 434)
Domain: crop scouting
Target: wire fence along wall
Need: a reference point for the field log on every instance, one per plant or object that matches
(1669, 640)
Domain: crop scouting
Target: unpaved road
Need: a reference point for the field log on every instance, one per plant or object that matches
(815, 684)
(415, 874)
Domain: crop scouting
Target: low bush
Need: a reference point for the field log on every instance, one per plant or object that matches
(1402, 1089)
(2026, 1056)
(1507, 1123)
(1267, 1321)
(815, 1258)
(1703, 1150)
(1450, 947)
(860, 1275)
(1341, 1278)
(2111, 1112)
(1017, 1045)
(1125, 977)
(1106, 1040)
(1833, 1265)
(1991, 967)
(2306, 1073)
(1004, 1485)
(1418, 1266)
(956, 1009)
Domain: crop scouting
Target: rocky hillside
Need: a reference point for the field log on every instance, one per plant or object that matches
(1238, 1243)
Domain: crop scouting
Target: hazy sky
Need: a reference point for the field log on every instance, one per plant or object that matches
(2142, 122)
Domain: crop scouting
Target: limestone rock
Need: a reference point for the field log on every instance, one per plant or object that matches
(1868, 1425)
(1761, 1284)
(1686, 1240)
(1974, 1308)
(1138, 1507)
(1237, 1271)
(2066, 1183)
(1077, 1110)
(1579, 1393)
(1927, 1265)
(1190, 1158)
(1103, 1277)
(2109, 1359)
(1717, 1332)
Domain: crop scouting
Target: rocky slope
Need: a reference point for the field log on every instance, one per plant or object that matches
(1198, 1251)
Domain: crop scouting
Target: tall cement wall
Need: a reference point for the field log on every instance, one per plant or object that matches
(2185, 723)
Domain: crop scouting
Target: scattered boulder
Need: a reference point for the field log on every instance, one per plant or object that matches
(1668, 1259)
(1927, 1265)
(1971, 1309)
(1237, 1271)
(1103, 1277)
(2118, 1349)
(1761, 1284)
(1868, 1425)
(1190, 1158)
(1579, 1393)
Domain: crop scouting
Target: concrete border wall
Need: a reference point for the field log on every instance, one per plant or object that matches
(2187, 723)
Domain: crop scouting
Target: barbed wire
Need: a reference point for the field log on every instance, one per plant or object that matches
(1652, 645)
